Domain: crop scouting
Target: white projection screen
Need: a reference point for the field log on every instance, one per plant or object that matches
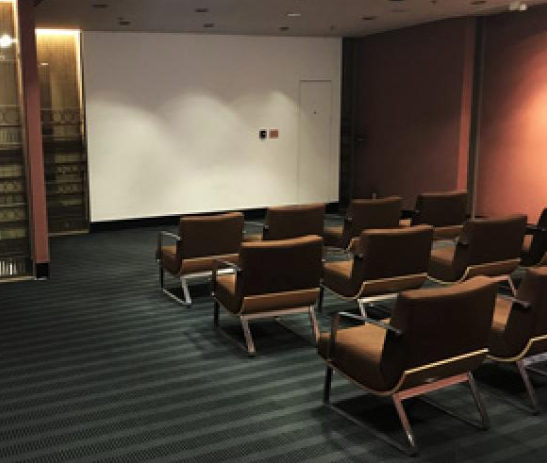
(173, 122)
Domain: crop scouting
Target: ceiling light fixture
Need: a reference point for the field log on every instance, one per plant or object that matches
(292, 14)
(209, 25)
(284, 28)
(202, 10)
(74, 32)
(100, 6)
(369, 18)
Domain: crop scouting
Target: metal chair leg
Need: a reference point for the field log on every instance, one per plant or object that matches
(162, 275)
(321, 297)
(248, 337)
(216, 314)
(362, 307)
(478, 401)
(314, 325)
(511, 285)
(529, 387)
(403, 418)
(185, 291)
(327, 385)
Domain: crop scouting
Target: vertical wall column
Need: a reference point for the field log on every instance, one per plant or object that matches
(30, 86)
(468, 70)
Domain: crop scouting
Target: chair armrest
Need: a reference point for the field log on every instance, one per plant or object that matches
(535, 229)
(219, 263)
(256, 224)
(169, 235)
(165, 234)
(338, 251)
(409, 213)
(377, 323)
(518, 302)
(335, 323)
(462, 242)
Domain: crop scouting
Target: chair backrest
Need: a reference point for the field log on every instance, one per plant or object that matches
(280, 266)
(441, 209)
(287, 222)
(389, 253)
(489, 240)
(523, 324)
(210, 235)
(538, 246)
(440, 324)
(364, 214)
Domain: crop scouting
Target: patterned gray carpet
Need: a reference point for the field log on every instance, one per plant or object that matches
(98, 365)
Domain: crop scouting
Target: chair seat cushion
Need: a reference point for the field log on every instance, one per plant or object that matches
(168, 257)
(337, 277)
(358, 354)
(332, 236)
(440, 264)
(225, 292)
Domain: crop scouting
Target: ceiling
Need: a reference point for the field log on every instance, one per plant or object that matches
(344, 18)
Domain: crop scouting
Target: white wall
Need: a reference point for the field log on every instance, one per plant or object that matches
(173, 120)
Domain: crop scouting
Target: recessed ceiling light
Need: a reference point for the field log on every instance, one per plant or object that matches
(209, 25)
(284, 28)
(202, 10)
(124, 22)
(100, 6)
(293, 14)
(478, 2)
(369, 18)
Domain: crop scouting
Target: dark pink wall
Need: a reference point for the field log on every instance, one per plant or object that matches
(413, 109)
(513, 144)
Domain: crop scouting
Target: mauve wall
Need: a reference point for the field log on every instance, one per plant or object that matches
(412, 109)
(513, 144)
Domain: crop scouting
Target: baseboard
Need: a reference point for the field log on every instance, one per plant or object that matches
(172, 220)
(41, 271)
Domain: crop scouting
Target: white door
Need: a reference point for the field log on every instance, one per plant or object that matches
(314, 159)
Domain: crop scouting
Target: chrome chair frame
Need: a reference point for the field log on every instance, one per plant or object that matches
(187, 301)
(524, 363)
(398, 395)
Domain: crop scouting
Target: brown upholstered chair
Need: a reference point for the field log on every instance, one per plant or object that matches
(285, 222)
(386, 262)
(534, 248)
(519, 329)
(435, 338)
(273, 278)
(364, 214)
(446, 212)
(488, 247)
(200, 240)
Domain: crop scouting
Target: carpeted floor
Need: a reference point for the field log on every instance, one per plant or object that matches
(98, 365)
